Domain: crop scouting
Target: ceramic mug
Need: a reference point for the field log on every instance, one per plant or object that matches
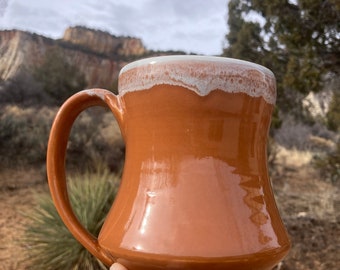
(195, 192)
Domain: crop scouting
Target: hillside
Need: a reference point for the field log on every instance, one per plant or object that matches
(98, 55)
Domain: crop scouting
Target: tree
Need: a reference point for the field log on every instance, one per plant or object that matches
(59, 78)
(298, 40)
(244, 37)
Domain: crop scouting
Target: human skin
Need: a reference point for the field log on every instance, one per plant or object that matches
(117, 266)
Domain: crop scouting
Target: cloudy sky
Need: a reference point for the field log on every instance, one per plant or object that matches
(195, 26)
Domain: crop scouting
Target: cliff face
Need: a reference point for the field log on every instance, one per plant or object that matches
(103, 42)
(19, 50)
(98, 55)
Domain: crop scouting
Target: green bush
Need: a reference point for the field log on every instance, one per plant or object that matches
(50, 245)
(23, 89)
(24, 135)
(329, 164)
(86, 145)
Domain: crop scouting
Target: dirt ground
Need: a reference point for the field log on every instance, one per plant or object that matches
(309, 207)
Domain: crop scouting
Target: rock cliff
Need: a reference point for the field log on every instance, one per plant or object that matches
(19, 50)
(98, 55)
(104, 43)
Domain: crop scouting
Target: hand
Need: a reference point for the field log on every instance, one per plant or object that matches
(117, 266)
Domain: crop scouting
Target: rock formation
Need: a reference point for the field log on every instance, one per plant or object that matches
(97, 54)
(104, 43)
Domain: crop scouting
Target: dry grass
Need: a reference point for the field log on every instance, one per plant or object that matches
(294, 157)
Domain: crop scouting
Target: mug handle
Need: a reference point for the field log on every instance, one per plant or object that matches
(56, 154)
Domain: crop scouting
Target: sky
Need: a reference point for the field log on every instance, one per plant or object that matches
(193, 26)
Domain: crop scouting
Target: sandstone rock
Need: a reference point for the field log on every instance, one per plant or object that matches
(20, 50)
(98, 55)
(104, 43)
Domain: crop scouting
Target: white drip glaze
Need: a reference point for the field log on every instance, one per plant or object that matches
(201, 74)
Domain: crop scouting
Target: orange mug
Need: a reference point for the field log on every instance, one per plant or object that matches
(195, 192)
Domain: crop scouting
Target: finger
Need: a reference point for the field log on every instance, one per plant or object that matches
(117, 266)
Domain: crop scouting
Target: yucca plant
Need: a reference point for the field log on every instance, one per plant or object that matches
(50, 245)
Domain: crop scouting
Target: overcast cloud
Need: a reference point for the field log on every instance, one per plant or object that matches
(195, 26)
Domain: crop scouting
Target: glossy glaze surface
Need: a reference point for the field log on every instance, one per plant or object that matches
(195, 192)
(195, 182)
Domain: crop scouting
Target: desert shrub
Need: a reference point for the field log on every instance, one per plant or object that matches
(272, 152)
(23, 90)
(329, 163)
(88, 144)
(23, 135)
(49, 244)
(293, 134)
(85, 142)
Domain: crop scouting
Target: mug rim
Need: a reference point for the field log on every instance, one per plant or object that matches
(200, 74)
(197, 58)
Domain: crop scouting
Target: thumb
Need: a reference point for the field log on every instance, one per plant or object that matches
(117, 266)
